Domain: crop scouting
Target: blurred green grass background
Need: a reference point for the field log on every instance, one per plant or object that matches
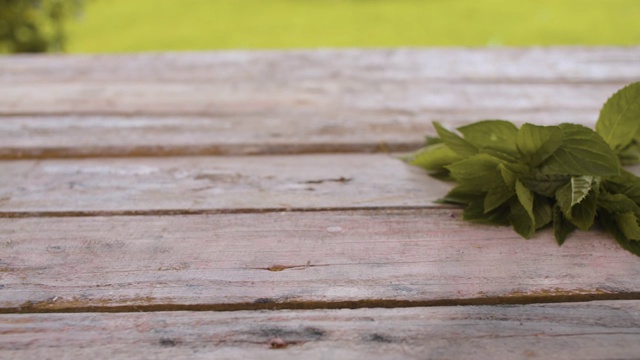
(160, 25)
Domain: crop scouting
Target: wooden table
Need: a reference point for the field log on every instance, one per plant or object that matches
(250, 204)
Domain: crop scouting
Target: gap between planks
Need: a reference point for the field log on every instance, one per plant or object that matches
(253, 149)
(187, 212)
(545, 297)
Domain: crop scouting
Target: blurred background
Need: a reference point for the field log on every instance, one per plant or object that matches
(114, 26)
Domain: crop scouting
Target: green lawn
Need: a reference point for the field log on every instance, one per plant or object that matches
(143, 25)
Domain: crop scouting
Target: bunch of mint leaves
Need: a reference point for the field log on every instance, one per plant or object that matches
(566, 176)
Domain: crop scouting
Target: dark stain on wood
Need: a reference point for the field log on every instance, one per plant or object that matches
(341, 180)
(290, 335)
(263, 301)
(169, 342)
(379, 338)
(219, 178)
(56, 249)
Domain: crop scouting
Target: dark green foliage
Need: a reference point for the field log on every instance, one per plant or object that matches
(35, 25)
(566, 175)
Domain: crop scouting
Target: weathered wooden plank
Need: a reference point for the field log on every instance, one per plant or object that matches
(369, 258)
(213, 183)
(338, 97)
(240, 103)
(276, 132)
(335, 82)
(594, 330)
(548, 64)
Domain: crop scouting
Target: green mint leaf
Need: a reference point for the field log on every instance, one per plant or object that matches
(628, 224)
(496, 135)
(462, 196)
(497, 196)
(478, 171)
(481, 172)
(617, 203)
(561, 227)
(580, 187)
(631, 154)
(459, 145)
(564, 200)
(624, 211)
(537, 208)
(546, 185)
(509, 176)
(432, 140)
(619, 121)
(510, 157)
(626, 183)
(474, 212)
(608, 220)
(521, 220)
(583, 152)
(542, 211)
(583, 214)
(525, 199)
(433, 159)
(578, 201)
(537, 143)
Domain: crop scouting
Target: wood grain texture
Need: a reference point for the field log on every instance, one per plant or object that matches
(214, 183)
(281, 131)
(86, 244)
(379, 258)
(328, 97)
(594, 330)
(550, 64)
(240, 103)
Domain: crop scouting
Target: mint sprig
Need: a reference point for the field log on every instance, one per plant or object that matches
(566, 176)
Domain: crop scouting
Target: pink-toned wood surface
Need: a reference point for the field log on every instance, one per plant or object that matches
(105, 207)
(302, 101)
(594, 330)
(543, 64)
(281, 132)
(213, 183)
(218, 99)
(298, 260)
